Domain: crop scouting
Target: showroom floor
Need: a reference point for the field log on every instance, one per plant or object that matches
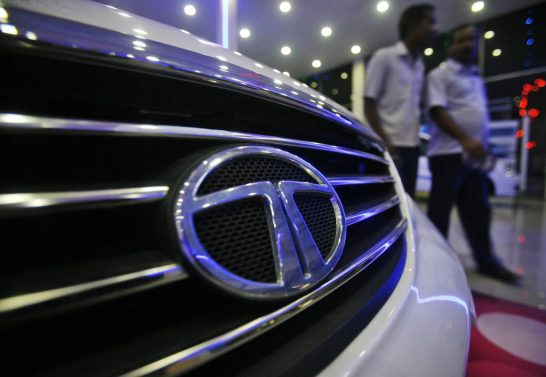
(519, 236)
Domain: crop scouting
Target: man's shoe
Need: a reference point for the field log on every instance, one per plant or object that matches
(499, 272)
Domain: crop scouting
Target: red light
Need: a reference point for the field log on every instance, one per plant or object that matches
(522, 113)
(523, 103)
(527, 88)
(522, 239)
(533, 113)
(531, 145)
(535, 88)
(541, 83)
(519, 134)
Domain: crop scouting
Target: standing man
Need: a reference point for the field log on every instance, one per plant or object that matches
(394, 82)
(457, 150)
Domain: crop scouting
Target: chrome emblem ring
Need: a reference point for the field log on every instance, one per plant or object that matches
(298, 263)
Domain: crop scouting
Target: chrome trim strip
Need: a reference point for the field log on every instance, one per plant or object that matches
(370, 212)
(360, 180)
(156, 275)
(32, 122)
(192, 357)
(49, 199)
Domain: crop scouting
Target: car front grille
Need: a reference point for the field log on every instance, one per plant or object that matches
(78, 252)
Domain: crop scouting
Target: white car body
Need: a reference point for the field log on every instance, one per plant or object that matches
(423, 329)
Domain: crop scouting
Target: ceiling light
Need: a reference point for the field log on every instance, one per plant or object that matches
(224, 67)
(316, 63)
(258, 65)
(140, 49)
(8, 29)
(3, 13)
(356, 49)
(496, 52)
(277, 81)
(190, 10)
(237, 53)
(30, 35)
(489, 34)
(477, 6)
(130, 56)
(140, 31)
(285, 50)
(344, 75)
(244, 33)
(221, 58)
(185, 31)
(276, 70)
(152, 58)
(314, 84)
(429, 51)
(123, 14)
(286, 73)
(139, 43)
(382, 6)
(285, 7)
(326, 31)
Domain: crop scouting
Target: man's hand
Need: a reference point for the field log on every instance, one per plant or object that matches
(474, 149)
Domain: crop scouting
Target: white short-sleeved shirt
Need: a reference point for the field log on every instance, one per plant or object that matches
(395, 80)
(461, 92)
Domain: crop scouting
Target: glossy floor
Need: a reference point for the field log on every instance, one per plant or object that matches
(519, 235)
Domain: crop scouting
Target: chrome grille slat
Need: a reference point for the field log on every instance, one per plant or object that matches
(372, 211)
(19, 121)
(190, 358)
(360, 180)
(21, 201)
(139, 279)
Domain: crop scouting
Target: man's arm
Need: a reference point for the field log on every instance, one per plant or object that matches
(376, 75)
(372, 115)
(446, 123)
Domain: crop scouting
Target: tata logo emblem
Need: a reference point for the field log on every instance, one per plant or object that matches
(273, 178)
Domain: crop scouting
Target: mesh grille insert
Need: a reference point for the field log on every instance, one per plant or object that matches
(319, 215)
(252, 169)
(236, 236)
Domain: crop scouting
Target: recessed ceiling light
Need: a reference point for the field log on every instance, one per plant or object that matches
(477, 6)
(285, 50)
(140, 31)
(326, 31)
(496, 52)
(8, 29)
(429, 51)
(382, 6)
(190, 10)
(286, 73)
(221, 58)
(130, 56)
(344, 75)
(277, 81)
(224, 67)
(140, 49)
(244, 33)
(489, 34)
(237, 53)
(152, 58)
(3, 13)
(30, 35)
(316, 63)
(356, 49)
(123, 14)
(185, 31)
(139, 43)
(285, 7)
(258, 65)
(314, 85)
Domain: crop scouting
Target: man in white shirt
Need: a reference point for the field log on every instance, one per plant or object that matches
(392, 93)
(458, 150)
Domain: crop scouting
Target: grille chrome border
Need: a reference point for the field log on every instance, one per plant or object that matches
(192, 357)
(21, 201)
(298, 263)
(20, 121)
(372, 211)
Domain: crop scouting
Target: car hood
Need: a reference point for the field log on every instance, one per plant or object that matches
(104, 29)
